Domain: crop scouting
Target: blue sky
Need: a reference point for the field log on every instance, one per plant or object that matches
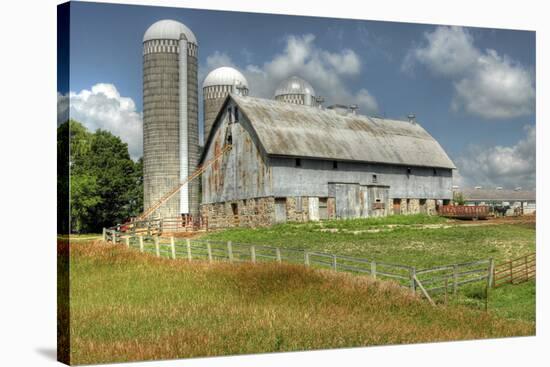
(471, 88)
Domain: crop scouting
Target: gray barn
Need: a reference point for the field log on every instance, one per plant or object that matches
(294, 162)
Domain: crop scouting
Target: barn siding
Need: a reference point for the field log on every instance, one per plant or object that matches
(243, 172)
(313, 176)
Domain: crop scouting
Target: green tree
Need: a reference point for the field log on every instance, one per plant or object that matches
(105, 183)
(458, 198)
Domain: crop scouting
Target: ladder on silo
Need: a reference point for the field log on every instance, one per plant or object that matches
(177, 188)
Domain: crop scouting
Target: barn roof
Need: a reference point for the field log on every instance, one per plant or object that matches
(498, 195)
(286, 129)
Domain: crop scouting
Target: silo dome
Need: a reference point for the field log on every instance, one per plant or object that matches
(224, 76)
(168, 29)
(294, 85)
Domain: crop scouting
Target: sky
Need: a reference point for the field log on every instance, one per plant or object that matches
(473, 89)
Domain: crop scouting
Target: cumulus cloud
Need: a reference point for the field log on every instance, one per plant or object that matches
(102, 107)
(326, 71)
(506, 166)
(485, 83)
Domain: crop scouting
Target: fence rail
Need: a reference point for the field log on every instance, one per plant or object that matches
(428, 282)
(515, 271)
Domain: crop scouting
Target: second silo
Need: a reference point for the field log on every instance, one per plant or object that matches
(170, 117)
(216, 86)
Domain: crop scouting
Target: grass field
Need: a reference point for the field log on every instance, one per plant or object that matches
(417, 240)
(128, 306)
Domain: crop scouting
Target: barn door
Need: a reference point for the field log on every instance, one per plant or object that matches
(280, 210)
(396, 206)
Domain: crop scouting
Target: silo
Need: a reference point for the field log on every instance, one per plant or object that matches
(296, 90)
(170, 117)
(216, 86)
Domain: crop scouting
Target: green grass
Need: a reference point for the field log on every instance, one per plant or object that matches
(392, 220)
(407, 244)
(514, 301)
(403, 240)
(128, 306)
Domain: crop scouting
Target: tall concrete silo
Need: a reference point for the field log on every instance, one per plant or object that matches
(170, 117)
(216, 86)
(296, 90)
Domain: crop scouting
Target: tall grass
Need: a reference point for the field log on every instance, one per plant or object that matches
(128, 306)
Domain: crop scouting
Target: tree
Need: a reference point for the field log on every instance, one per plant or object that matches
(106, 185)
(458, 198)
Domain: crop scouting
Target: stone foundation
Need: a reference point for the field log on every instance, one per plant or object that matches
(256, 212)
(412, 206)
(260, 212)
(430, 204)
(295, 213)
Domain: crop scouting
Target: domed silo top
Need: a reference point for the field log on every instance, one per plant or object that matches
(168, 29)
(294, 85)
(224, 76)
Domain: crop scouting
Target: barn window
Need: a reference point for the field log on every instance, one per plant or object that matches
(334, 165)
(230, 114)
(298, 162)
(236, 114)
(374, 179)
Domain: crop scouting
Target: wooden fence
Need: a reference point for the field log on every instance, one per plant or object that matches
(157, 227)
(515, 271)
(429, 282)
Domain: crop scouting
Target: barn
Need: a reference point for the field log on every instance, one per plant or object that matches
(301, 162)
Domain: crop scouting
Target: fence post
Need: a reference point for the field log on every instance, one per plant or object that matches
(455, 279)
(306, 258)
(141, 243)
(230, 251)
(334, 264)
(373, 269)
(278, 254)
(412, 274)
(173, 247)
(157, 245)
(209, 249)
(104, 233)
(253, 253)
(189, 257)
(491, 270)
(127, 240)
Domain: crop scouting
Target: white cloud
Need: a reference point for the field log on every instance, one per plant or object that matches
(326, 71)
(104, 108)
(485, 83)
(506, 166)
(62, 108)
(497, 88)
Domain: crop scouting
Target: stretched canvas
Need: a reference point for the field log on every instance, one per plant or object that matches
(240, 183)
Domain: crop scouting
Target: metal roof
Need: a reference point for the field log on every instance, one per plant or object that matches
(168, 29)
(471, 194)
(224, 76)
(294, 85)
(286, 129)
